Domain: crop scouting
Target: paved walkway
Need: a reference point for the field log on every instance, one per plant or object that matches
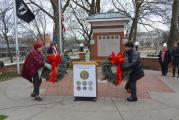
(158, 100)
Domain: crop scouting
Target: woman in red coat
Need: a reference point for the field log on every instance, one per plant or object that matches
(33, 62)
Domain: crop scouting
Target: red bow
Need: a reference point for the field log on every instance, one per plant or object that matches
(118, 60)
(55, 61)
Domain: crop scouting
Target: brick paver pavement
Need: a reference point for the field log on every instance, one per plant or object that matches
(151, 82)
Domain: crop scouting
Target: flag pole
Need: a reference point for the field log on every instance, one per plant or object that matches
(16, 38)
(60, 28)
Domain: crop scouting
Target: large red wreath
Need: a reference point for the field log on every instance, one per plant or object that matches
(117, 59)
(54, 60)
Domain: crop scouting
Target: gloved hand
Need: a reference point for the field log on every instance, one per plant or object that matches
(47, 65)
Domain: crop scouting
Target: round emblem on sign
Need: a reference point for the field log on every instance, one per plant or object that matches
(84, 75)
(84, 83)
(84, 88)
(90, 83)
(78, 82)
(78, 88)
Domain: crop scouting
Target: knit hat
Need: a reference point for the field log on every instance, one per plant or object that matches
(37, 45)
(164, 45)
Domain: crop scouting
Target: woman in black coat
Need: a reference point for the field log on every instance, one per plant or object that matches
(175, 58)
(133, 65)
(164, 59)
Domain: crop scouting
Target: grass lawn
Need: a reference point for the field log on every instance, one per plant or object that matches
(7, 76)
(2, 117)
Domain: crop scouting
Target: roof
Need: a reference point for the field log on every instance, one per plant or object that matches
(108, 16)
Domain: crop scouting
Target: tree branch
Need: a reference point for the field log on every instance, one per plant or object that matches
(87, 10)
(66, 5)
(42, 9)
(122, 11)
(145, 24)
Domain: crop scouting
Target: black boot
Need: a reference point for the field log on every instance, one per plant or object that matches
(133, 92)
(130, 99)
(32, 95)
(127, 88)
(38, 98)
(173, 73)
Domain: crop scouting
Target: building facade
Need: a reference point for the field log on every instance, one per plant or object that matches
(108, 34)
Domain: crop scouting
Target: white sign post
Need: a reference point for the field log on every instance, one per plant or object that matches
(84, 80)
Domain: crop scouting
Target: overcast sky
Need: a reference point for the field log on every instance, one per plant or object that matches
(106, 5)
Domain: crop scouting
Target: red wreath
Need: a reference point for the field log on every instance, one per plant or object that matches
(118, 60)
(54, 60)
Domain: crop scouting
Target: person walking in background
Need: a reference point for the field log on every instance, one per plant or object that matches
(33, 63)
(175, 58)
(52, 49)
(134, 66)
(164, 59)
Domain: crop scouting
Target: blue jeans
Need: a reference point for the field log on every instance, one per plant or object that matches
(36, 82)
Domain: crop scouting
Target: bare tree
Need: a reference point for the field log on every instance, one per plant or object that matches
(6, 24)
(174, 30)
(141, 12)
(27, 39)
(142, 44)
(91, 7)
(38, 27)
(55, 14)
(156, 44)
(81, 10)
(40, 23)
(148, 44)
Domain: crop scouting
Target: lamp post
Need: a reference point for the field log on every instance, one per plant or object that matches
(81, 47)
(136, 44)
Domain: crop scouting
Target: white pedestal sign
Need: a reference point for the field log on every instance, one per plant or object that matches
(84, 79)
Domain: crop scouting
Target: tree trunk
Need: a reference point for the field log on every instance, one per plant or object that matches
(173, 29)
(6, 37)
(134, 23)
(8, 48)
(92, 8)
(98, 7)
(56, 21)
(135, 33)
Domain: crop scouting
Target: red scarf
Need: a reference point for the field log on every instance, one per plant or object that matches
(163, 54)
